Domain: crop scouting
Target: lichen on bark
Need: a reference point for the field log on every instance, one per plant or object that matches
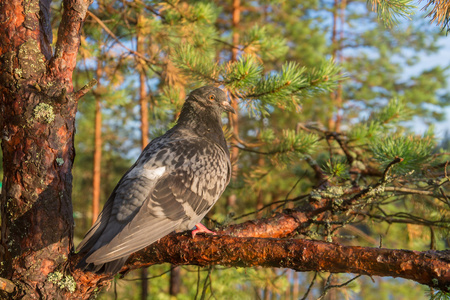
(43, 113)
(31, 60)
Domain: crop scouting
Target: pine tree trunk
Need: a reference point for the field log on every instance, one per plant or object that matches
(336, 96)
(267, 292)
(143, 95)
(143, 101)
(96, 178)
(234, 118)
(144, 284)
(37, 125)
(296, 286)
(175, 281)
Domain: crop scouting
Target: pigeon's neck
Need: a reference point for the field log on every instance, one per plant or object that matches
(202, 123)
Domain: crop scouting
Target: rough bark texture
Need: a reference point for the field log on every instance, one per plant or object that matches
(430, 267)
(37, 125)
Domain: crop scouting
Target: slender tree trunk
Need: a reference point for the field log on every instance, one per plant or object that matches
(175, 281)
(288, 292)
(144, 284)
(144, 111)
(336, 97)
(296, 286)
(143, 102)
(267, 292)
(334, 46)
(143, 95)
(260, 197)
(97, 147)
(234, 118)
(339, 100)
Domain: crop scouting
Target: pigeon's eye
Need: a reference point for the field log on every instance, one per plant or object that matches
(212, 97)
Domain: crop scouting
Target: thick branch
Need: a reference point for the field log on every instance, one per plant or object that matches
(431, 268)
(68, 43)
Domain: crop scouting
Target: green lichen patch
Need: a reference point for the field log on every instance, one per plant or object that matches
(31, 60)
(44, 113)
(31, 6)
(59, 161)
(63, 282)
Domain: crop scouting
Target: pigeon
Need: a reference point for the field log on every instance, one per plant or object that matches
(173, 184)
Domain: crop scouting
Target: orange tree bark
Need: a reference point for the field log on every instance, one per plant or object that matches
(38, 109)
(96, 172)
(431, 268)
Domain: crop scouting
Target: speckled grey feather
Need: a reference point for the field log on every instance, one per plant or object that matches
(175, 181)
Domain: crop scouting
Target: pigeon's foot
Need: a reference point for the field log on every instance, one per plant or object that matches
(201, 228)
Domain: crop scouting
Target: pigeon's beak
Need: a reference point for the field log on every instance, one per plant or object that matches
(227, 107)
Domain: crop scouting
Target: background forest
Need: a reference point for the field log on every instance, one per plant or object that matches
(328, 96)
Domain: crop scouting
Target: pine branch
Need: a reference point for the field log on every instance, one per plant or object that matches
(429, 267)
(440, 12)
(389, 10)
(196, 64)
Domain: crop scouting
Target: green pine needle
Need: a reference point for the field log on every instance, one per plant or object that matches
(395, 111)
(257, 41)
(291, 145)
(336, 168)
(389, 10)
(414, 151)
(242, 74)
(196, 63)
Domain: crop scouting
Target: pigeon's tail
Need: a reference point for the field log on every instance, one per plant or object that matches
(111, 267)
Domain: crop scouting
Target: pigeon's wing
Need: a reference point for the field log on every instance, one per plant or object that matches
(188, 179)
(128, 196)
(92, 237)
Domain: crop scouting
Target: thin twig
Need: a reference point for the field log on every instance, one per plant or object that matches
(404, 218)
(345, 283)
(100, 22)
(270, 204)
(382, 181)
(328, 286)
(85, 89)
(206, 284)
(396, 160)
(152, 277)
(409, 191)
(310, 286)
(198, 283)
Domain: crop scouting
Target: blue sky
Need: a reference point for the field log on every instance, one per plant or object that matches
(442, 58)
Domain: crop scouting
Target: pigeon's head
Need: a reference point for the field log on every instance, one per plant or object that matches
(211, 97)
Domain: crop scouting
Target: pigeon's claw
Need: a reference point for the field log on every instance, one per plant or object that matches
(201, 228)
